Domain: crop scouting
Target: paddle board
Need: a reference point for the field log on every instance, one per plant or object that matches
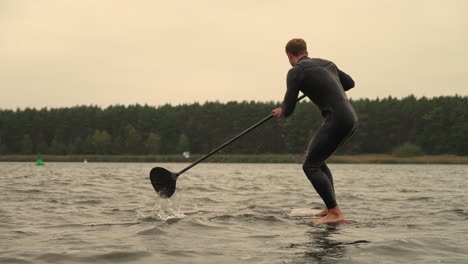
(303, 212)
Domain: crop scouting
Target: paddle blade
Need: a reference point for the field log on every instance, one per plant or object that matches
(163, 181)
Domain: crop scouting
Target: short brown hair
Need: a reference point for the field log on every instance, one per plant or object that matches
(296, 46)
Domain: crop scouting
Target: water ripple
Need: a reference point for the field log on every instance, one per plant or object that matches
(230, 213)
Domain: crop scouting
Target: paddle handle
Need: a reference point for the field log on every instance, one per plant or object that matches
(229, 141)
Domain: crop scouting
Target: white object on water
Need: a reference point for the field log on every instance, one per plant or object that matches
(85, 161)
(186, 154)
(303, 212)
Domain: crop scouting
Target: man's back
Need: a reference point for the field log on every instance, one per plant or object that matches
(323, 83)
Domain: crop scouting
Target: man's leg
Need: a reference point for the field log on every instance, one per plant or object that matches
(321, 183)
(327, 171)
(320, 148)
(322, 145)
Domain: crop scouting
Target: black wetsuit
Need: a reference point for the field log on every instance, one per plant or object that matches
(325, 85)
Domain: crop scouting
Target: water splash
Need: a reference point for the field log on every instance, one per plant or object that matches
(163, 210)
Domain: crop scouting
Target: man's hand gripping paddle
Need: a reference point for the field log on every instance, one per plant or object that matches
(164, 181)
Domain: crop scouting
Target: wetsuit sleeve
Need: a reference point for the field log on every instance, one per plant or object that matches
(293, 81)
(345, 80)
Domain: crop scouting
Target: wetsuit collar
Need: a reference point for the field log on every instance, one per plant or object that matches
(303, 58)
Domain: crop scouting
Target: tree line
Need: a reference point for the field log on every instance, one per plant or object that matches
(436, 125)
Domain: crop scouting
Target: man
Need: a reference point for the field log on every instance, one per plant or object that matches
(325, 85)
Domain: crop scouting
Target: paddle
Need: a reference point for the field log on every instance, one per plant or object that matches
(164, 181)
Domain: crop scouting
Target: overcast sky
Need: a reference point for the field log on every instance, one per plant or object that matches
(104, 52)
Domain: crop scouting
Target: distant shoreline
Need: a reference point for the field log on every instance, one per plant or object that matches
(238, 158)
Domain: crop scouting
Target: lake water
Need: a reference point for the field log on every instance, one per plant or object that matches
(231, 213)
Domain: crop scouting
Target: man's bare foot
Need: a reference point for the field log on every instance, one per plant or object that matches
(322, 213)
(333, 216)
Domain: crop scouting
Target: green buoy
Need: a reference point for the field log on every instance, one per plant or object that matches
(39, 161)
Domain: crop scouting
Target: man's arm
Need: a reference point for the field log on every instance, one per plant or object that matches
(294, 79)
(345, 80)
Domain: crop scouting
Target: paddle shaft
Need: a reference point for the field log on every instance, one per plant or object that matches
(231, 140)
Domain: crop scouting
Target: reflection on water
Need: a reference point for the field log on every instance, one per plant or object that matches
(322, 245)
